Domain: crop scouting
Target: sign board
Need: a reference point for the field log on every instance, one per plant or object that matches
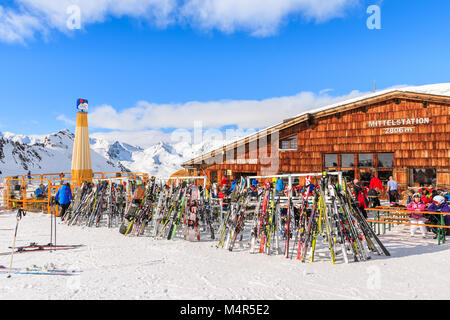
(398, 126)
(82, 105)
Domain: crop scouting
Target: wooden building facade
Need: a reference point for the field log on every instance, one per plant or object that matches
(399, 133)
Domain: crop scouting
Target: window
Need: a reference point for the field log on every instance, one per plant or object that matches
(349, 175)
(385, 160)
(365, 160)
(348, 161)
(423, 177)
(289, 143)
(365, 178)
(384, 175)
(331, 161)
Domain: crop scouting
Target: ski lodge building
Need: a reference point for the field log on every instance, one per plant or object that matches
(400, 132)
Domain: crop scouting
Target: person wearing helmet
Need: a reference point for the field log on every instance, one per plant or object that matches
(417, 218)
(440, 205)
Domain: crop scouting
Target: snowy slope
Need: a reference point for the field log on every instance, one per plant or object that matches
(116, 267)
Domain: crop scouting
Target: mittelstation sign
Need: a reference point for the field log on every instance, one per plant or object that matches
(398, 125)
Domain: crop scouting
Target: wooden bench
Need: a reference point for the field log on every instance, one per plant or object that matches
(400, 217)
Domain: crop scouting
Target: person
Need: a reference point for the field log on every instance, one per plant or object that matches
(376, 184)
(392, 189)
(440, 205)
(40, 192)
(63, 198)
(360, 194)
(29, 175)
(426, 196)
(279, 186)
(375, 188)
(416, 217)
(254, 188)
(224, 182)
(61, 176)
(410, 196)
(233, 185)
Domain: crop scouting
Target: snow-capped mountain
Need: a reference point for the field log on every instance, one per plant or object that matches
(161, 160)
(44, 154)
(53, 154)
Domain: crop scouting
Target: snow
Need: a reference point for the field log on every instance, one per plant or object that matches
(115, 267)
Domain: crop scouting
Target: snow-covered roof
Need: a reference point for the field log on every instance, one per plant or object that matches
(440, 89)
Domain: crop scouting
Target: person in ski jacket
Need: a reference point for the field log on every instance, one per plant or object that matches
(254, 188)
(426, 195)
(225, 182)
(40, 192)
(440, 205)
(417, 217)
(64, 198)
(360, 194)
(280, 185)
(233, 185)
(376, 184)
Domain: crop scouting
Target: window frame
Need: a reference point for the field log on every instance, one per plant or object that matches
(289, 140)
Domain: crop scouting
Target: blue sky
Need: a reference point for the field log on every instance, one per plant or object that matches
(123, 61)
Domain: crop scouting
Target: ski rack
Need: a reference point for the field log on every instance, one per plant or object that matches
(296, 175)
(291, 177)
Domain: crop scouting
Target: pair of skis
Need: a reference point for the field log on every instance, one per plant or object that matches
(39, 271)
(38, 248)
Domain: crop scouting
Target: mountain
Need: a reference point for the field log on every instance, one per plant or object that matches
(160, 160)
(53, 154)
(44, 154)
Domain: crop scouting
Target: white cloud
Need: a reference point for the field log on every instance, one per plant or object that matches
(258, 17)
(66, 120)
(16, 26)
(245, 114)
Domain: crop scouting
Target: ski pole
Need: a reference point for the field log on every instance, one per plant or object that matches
(20, 213)
(51, 221)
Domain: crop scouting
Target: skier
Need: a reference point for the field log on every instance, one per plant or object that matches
(29, 175)
(279, 186)
(40, 192)
(64, 198)
(375, 188)
(417, 217)
(361, 195)
(426, 195)
(254, 188)
(440, 204)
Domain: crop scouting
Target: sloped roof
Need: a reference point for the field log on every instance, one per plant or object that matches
(430, 92)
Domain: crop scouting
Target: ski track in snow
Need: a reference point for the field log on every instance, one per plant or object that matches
(115, 267)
